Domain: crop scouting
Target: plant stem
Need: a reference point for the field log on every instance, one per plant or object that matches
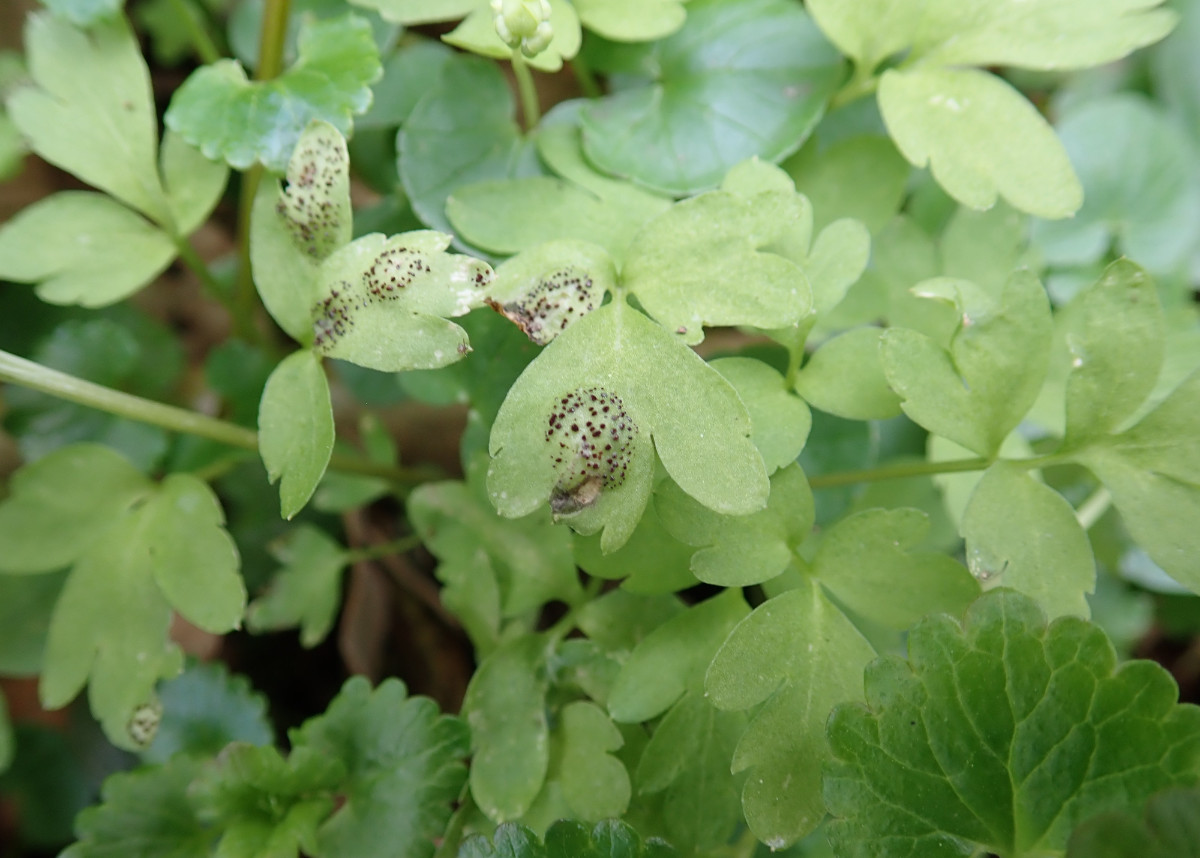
(206, 49)
(384, 549)
(863, 83)
(1091, 510)
(529, 98)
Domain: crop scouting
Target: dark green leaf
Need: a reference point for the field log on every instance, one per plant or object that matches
(1170, 828)
(307, 591)
(26, 604)
(565, 839)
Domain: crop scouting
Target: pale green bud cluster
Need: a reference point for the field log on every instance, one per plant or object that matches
(524, 24)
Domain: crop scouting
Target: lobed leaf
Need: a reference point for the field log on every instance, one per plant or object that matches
(779, 421)
(652, 561)
(845, 376)
(594, 783)
(306, 591)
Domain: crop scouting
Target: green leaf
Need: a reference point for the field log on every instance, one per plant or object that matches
(594, 783)
(478, 34)
(872, 552)
(1176, 67)
(84, 13)
(461, 132)
(566, 839)
(619, 619)
(861, 177)
(204, 709)
(381, 301)
(845, 377)
(81, 247)
(1000, 736)
(295, 424)
(243, 122)
(59, 506)
(981, 139)
(292, 231)
(1170, 828)
(652, 383)
(739, 79)
(984, 247)
(92, 85)
(652, 561)
(145, 813)
(631, 20)
(743, 550)
(505, 707)
(409, 12)
(1024, 535)
(706, 261)
(26, 604)
(869, 31)
(779, 421)
(1141, 187)
(193, 183)
(798, 655)
(1116, 342)
(836, 260)
(404, 770)
(307, 591)
(979, 390)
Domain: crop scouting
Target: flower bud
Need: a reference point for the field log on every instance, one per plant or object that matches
(524, 24)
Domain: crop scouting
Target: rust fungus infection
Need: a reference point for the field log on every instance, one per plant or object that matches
(307, 207)
(559, 299)
(590, 435)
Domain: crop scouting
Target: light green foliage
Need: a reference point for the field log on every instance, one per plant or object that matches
(1001, 735)
(779, 421)
(653, 383)
(410, 12)
(798, 655)
(243, 122)
(340, 492)
(566, 839)
(744, 550)
(84, 13)
(1141, 187)
(411, 70)
(845, 377)
(631, 20)
(593, 782)
(861, 177)
(978, 391)
(874, 552)
(295, 425)
(1023, 535)
(652, 561)
(1170, 828)
(760, 93)
(478, 33)
(204, 709)
(1176, 67)
(306, 591)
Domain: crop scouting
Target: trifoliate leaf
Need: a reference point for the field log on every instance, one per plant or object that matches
(204, 709)
(145, 813)
(845, 377)
(93, 85)
(505, 707)
(631, 20)
(979, 390)
(738, 80)
(799, 656)
(652, 561)
(26, 605)
(404, 770)
(59, 506)
(264, 804)
(1000, 736)
(737, 551)
(292, 231)
(231, 118)
(706, 261)
(617, 359)
(872, 552)
(82, 248)
(478, 34)
(1024, 535)
(1141, 187)
(672, 659)
(861, 177)
(1170, 828)
(594, 783)
(566, 839)
(307, 591)
(981, 139)
(295, 425)
(779, 421)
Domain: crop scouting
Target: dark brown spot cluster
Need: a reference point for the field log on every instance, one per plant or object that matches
(333, 316)
(307, 206)
(559, 299)
(591, 439)
(392, 271)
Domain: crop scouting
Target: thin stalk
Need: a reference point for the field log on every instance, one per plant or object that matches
(1091, 510)
(863, 83)
(205, 47)
(383, 549)
(567, 623)
(530, 108)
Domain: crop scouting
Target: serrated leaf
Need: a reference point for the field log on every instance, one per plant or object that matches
(478, 34)
(845, 377)
(979, 390)
(799, 655)
(1001, 735)
(862, 177)
(566, 839)
(204, 709)
(1169, 828)
(706, 261)
(981, 139)
(505, 707)
(1141, 187)
(872, 552)
(51, 517)
(295, 424)
(243, 122)
(779, 421)
(145, 814)
(737, 551)
(738, 80)
(81, 247)
(404, 770)
(92, 85)
(651, 382)
(307, 591)
(1024, 535)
